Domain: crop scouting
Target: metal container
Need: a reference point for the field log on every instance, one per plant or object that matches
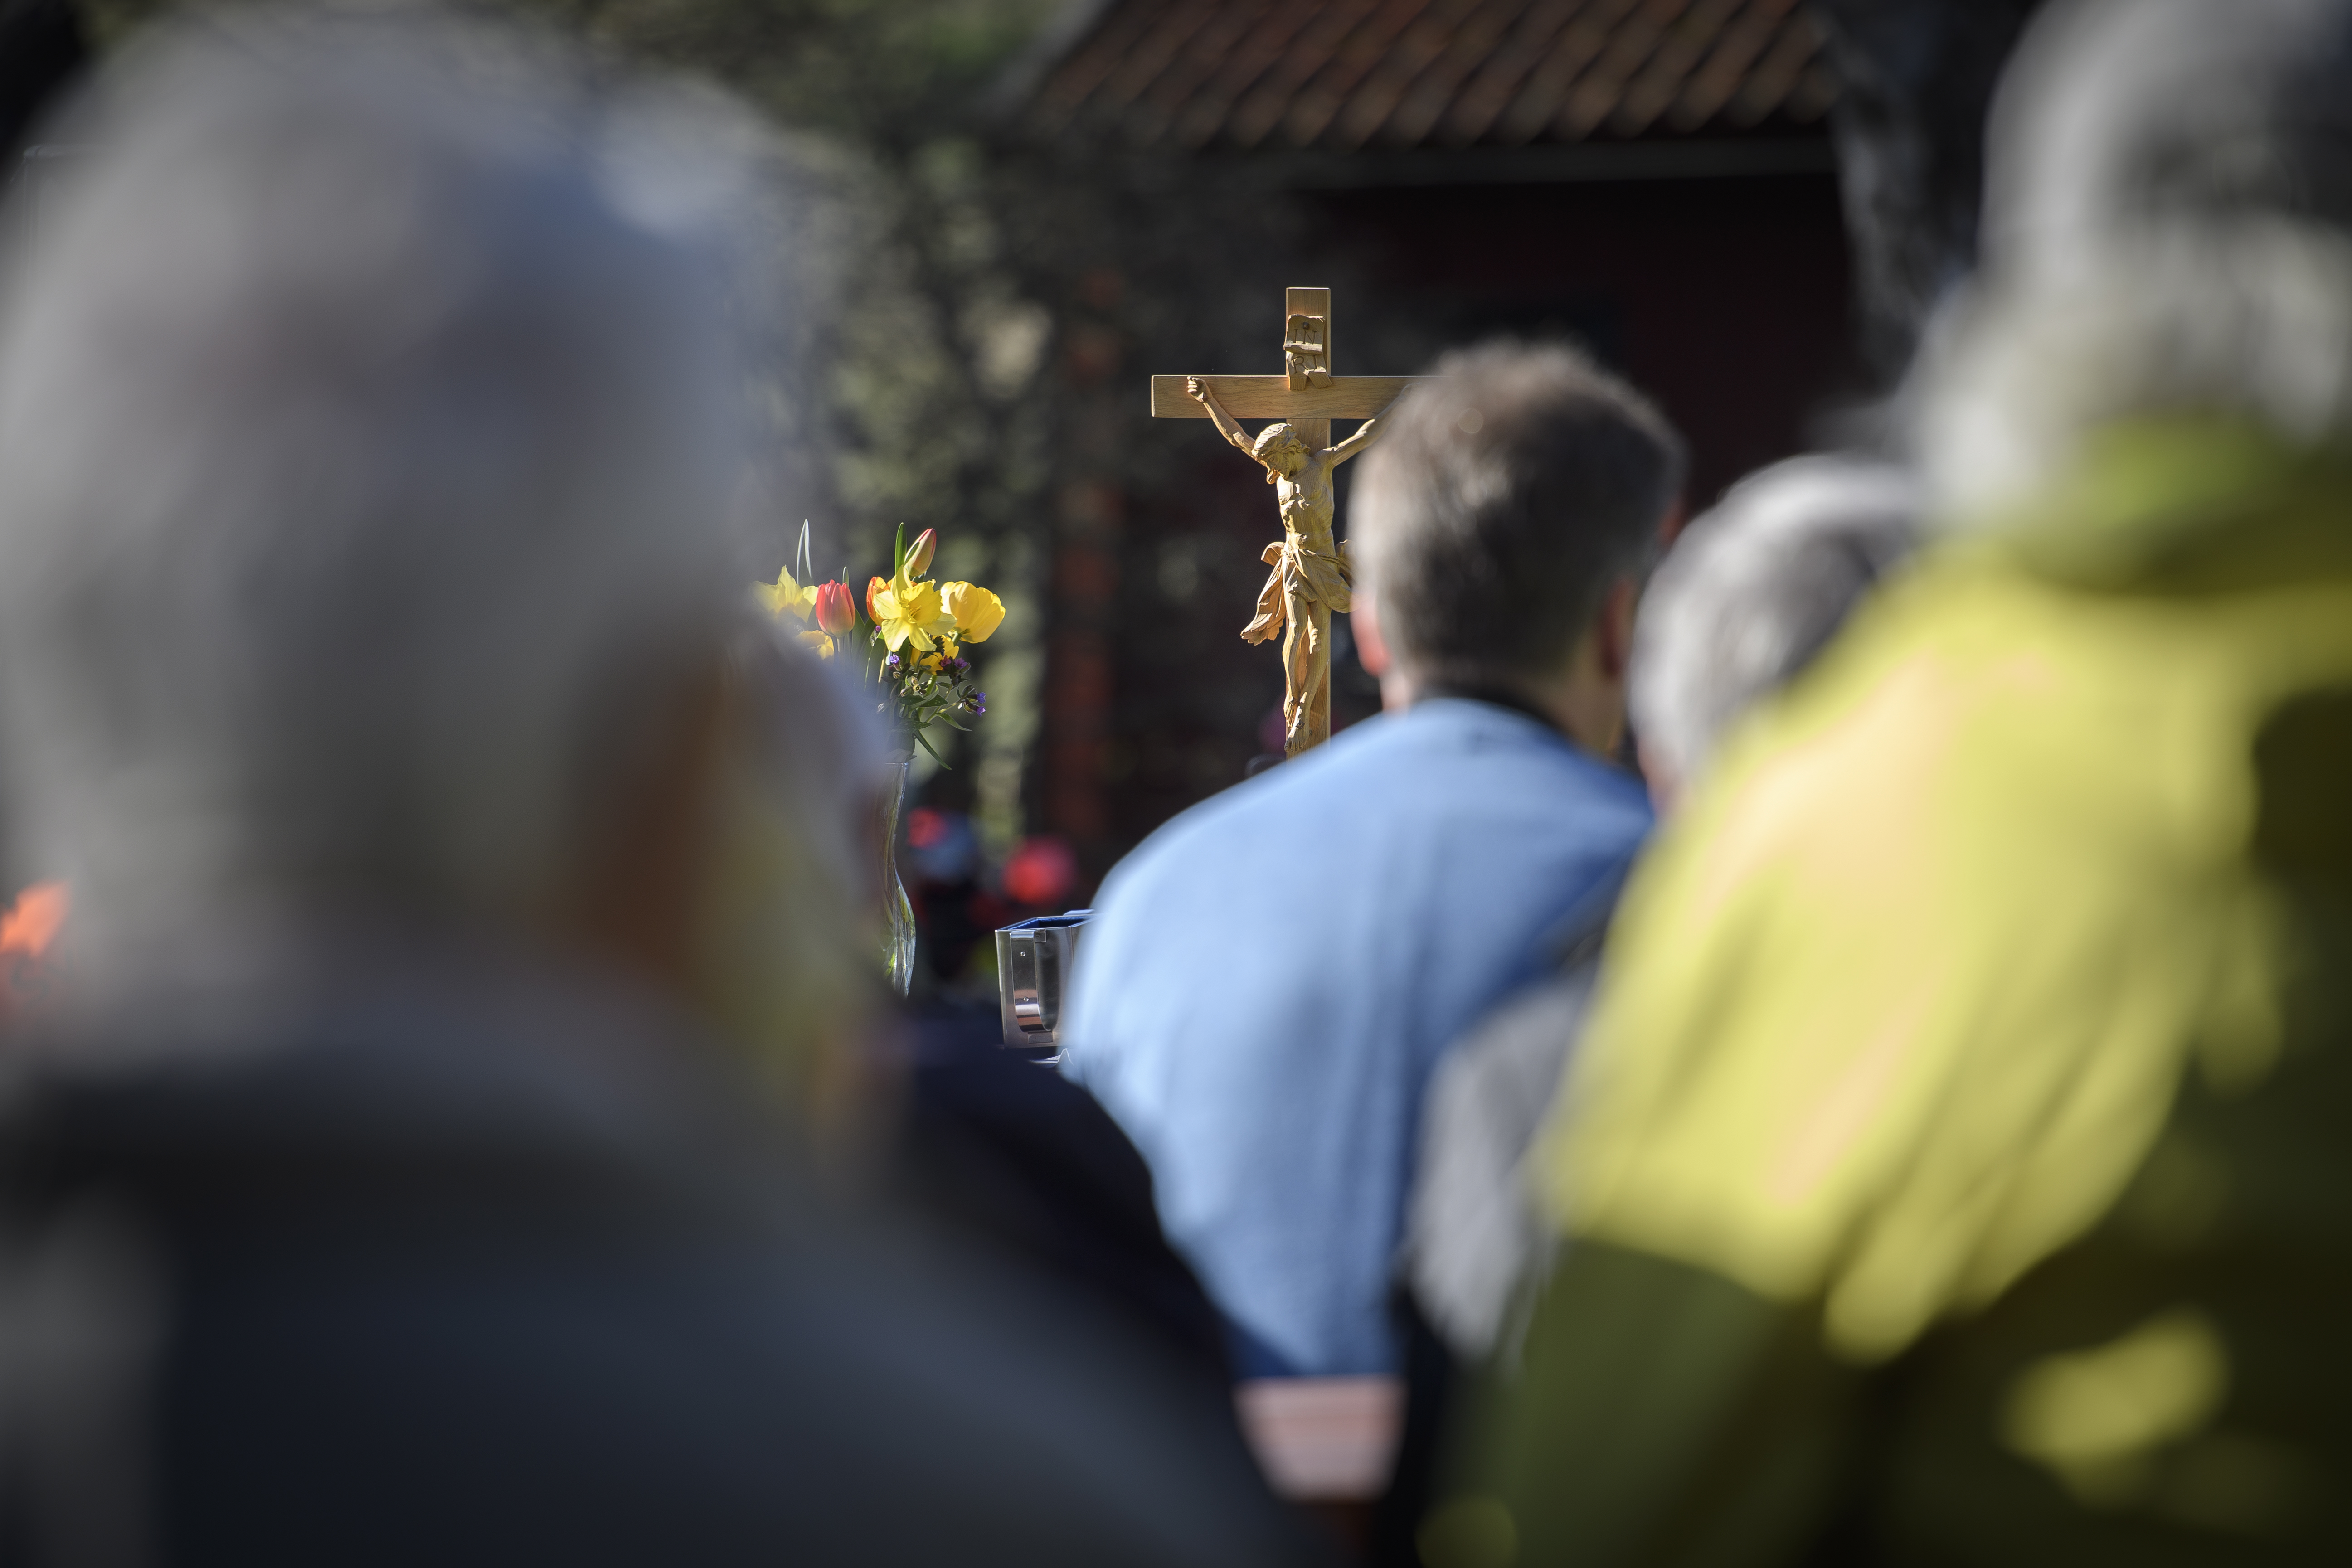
(1032, 971)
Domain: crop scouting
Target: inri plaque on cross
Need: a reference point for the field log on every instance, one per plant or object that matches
(1312, 577)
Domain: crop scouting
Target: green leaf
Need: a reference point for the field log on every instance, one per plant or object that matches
(926, 744)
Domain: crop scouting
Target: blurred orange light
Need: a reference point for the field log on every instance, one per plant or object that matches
(1041, 872)
(33, 921)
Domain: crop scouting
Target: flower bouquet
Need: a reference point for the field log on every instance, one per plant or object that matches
(913, 656)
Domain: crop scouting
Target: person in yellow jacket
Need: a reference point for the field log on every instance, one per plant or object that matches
(1958, 1165)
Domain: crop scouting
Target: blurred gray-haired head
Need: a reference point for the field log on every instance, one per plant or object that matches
(1751, 591)
(1509, 494)
(367, 421)
(2168, 230)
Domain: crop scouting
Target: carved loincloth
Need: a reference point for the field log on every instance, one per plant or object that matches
(1324, 581)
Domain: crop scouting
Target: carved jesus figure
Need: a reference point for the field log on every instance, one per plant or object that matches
(1312, 578)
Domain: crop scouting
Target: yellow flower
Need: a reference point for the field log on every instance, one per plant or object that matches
(975, 611)
(783, 593)
(907, 612)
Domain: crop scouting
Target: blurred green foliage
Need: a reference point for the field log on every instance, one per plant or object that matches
(930, 329)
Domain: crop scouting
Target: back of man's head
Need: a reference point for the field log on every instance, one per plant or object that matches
(1512, 492)
(365, 423)
(1751, 593)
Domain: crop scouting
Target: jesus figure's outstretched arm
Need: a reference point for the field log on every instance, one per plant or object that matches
(1197, 391)
(1366, 434)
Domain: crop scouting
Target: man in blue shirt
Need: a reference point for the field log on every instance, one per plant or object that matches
(1274, 974)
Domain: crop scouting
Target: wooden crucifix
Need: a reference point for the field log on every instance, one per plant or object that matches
(1312, 577)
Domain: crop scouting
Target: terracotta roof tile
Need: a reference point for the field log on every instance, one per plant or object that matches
(1344, 74)
(1712, 86)
(1486, 93)
(1545, 93)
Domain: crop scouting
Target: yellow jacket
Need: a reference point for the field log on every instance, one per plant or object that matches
(1917, 1148)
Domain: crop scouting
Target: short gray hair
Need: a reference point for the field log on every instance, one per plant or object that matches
(1508, 496)
(367, 418)
(1753, 590)
(2168, 229)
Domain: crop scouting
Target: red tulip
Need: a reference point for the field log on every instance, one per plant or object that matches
(918, 554)
(875, 585)
(837, 612)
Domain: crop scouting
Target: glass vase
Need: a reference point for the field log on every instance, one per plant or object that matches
(898, 914)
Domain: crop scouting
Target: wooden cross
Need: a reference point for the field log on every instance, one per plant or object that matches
(1307, 402)
(1306, 396)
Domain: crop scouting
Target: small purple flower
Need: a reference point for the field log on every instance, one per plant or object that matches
(977, 702)
(891, 663)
